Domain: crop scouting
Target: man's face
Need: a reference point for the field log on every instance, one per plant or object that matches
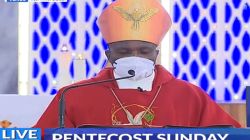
(131, 48)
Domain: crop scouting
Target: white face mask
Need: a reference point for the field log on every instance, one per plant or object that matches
(143, 67)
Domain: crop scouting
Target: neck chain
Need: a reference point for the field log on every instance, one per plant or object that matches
(129, 115)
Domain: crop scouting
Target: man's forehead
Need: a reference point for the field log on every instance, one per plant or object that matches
(131, 44)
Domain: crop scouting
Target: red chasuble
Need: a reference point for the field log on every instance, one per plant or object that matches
(177, 103)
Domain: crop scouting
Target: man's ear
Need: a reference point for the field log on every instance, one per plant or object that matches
(107, 53)
(157, 52)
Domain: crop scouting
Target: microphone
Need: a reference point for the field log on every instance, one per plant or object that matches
(131, 72)
(62, 99)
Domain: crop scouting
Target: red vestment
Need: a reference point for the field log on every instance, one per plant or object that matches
(178, 103)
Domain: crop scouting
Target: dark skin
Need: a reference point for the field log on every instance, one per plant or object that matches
(130, 48)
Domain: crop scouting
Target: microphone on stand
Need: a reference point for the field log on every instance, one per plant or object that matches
(62, 99)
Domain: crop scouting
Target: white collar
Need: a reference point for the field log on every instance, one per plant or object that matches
(144, 84)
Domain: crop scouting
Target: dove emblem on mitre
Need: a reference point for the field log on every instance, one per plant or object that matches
(136, 16)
